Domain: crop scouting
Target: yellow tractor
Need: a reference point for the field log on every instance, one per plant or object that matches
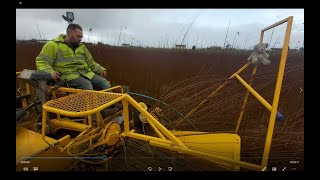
(79, 112)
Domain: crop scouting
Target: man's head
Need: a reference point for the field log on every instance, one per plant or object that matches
(74, 34)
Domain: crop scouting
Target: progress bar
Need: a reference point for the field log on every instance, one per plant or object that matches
(102, 157)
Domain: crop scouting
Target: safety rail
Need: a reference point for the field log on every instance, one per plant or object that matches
(115, 87)
(82, 103)
(73, 90)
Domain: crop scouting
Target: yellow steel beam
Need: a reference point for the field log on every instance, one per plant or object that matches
(81, 136)
(67, 124)
(71, 90)
(28, 88)
(125, 111)
(64, 140)
(240, 70)
(245, 100)
(100, 119)
(261, 36)
(254, 93)
(44, 123)
(24, 103)
(145, 137)
(213, 158)
(115, 87)
(277, 89)
(156, 123)
(89, 120)
(187, 133)
(279, 23)
(92, 136)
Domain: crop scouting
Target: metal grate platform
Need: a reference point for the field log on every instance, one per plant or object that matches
(82, 101)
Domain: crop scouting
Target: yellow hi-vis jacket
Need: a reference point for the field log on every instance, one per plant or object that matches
(56, 56)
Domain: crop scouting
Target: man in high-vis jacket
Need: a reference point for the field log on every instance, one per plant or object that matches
(67, 59)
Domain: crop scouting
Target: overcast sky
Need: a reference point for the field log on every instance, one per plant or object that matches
(165, 27)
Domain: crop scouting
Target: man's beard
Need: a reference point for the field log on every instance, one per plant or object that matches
(75, 44)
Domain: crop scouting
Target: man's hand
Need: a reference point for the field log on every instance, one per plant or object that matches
(56, 76)
(104, 74)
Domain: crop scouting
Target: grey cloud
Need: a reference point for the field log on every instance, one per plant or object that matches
(153, 26)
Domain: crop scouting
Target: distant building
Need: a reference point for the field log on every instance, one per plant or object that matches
(297, 51)
(178, 46)
(215, 47)
(125, 45)
(276, 49)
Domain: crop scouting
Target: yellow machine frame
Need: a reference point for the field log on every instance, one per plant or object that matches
(185, 142)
